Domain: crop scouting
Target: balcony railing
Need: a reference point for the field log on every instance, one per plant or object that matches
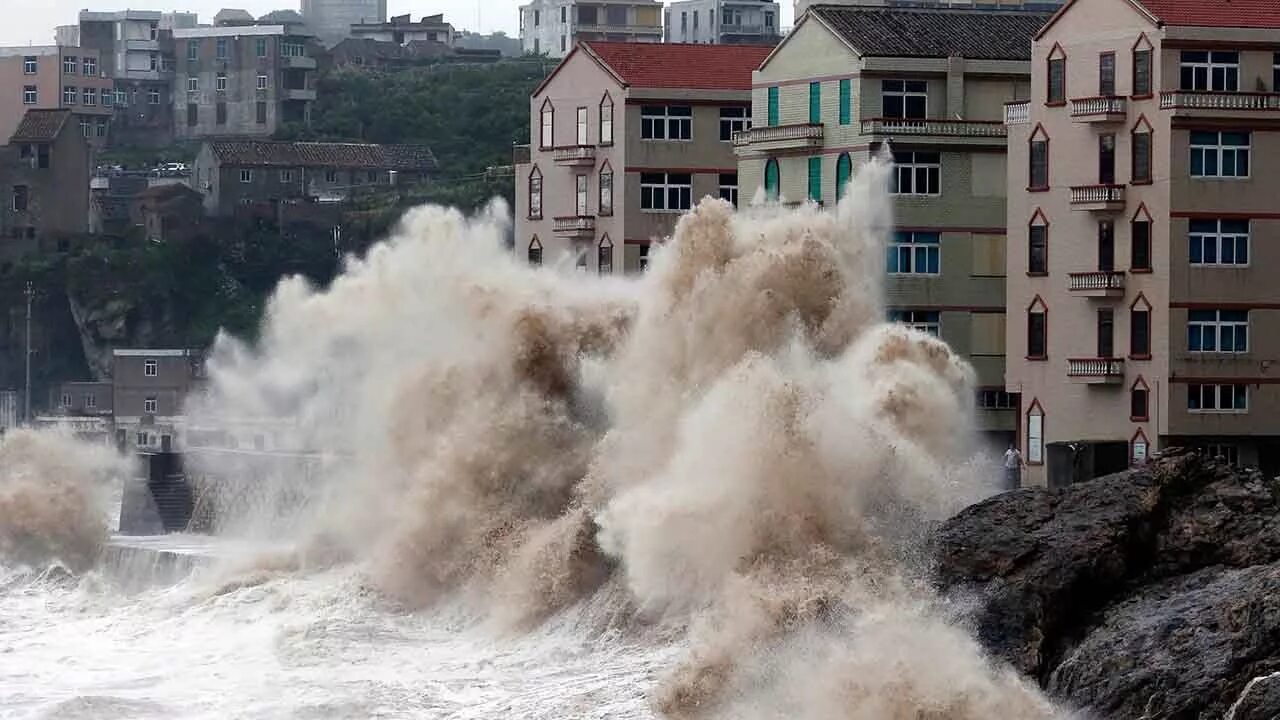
(575, 155)
(1099, 283)
(908, 126)
(575, 225)
(736, 29)
(520, 155)
(1017, 113)
(1096, 370)
(618, 29)
(1097, 195)
(1206, 100)
(1098, 108)
(790, 135)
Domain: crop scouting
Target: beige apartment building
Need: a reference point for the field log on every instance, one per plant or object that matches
(1145, 205)
(626, 137)
(554, 27)
(930, 84)
(51, 77)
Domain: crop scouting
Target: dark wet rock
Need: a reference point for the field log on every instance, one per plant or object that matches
(1153, 593)
(1260, 699)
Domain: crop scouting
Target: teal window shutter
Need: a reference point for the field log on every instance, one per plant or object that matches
(844, 170)
(815, 179)
(815, 102)
(846, 101)
(772, 179)
(773, 107)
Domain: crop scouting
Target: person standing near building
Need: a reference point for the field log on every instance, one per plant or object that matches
(1012, 468)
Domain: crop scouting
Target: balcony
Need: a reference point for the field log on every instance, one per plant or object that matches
(1097, 197)
(1099, 109)
(575, 155)
(742, 29)
(1219, 101)
(298, 62)
(299, 94)
(778, 137)
(607, 29)
(1100, 283)
(1095, 371)
(1017, 113)
(944, 128)
(575, 226)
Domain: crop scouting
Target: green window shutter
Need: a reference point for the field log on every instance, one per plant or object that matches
(815, 179)
(844, 169)
(771, 179)
(846, 101)
(815, 102)
(773, 107)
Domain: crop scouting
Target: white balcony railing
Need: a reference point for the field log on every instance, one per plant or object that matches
(1097, 106)
(1096, 194)
(575, 154)
(1017, 113)
(1096, 368)
(1100, 280)
(575, 224)
(778, 134)
(1205, 100)
(908, 126)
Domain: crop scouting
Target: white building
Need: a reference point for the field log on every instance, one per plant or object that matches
(331, 20)
(554, 26)
(723, 22)
(1035, 5)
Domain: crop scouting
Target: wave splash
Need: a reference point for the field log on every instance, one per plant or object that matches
(734, 444)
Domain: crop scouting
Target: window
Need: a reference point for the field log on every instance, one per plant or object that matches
(90, 97)
(564, 14)
(1107, 159)
(904, 98)
(246, 176)
(844, 171)
(1037, 332)
(149, 406)
(193, 114)
(564, 41)
(773, 106)
(1140, 331)
(1039, 171)
(1275, 73)
(262, 82)
(537, 18)
(915, 253)
(1207, 398)
(1107, 74)
(70, 94)
(1218, 70)
(1139, 402)
(221, 82)
(604, 256)
(666, 191)
(153, 96)
(1106, 246)
(122, 99)
(261, 113)
(29, 95)
(580, 187)
(1219, 154)
(331, 176)
(916, 173)
(1142, 72)
(70, 65)
(193, 84)
(1140, 245)
(642, 260)
(90, 401)
(1219, 242)
(606, 121)
(142, 439)
(669, 122)
(260, 47)
(732, 120)
(548, 137)
(193, 50)
(582, 127)
(1224, 331)
(815, 179)
(21, 198)
(66, 400)
(815, 103)
(926, 321)
(1037, 249)
(729, 187)
(30, 64)
(292, 49)
(153, 61)
(221, 48)
(606, 190)
(535, 194)
(1035, 434)
(996, 399)
(150, 368)
(286, 176)
(86, 127)
(1141, 157)
(100, 127)
(1106, 323)
(372, 177)
(535, 252)
(91, 67)
(1057, 91)
(846, 101)
(220, 110)
(772, 179)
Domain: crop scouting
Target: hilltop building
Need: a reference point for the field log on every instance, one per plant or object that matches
(44, 177)
(47, 77)
(554, 27)
(740, 22)
(331, 20)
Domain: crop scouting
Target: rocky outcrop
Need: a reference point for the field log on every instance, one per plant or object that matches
(1150, 594)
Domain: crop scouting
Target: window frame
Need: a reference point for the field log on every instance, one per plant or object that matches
(1107, 74)
(904, 91)
(774, 193)
(680, 122)
(1144, 131)
(151, 368)
(738, 119)
(606, 121)
(582, 195)
(1056, 92)
(70, 65)
(844, 174)
(1219, 150)
(534, 252)
(907, 164)
(1035, 434)
(547, 126)
(815, 103)
(535, 185)
(1215, 390)
(1139, 386)
(666, 189)
(30, 94)
(1142, 55)
(1140, 306)
(604, 249)
(914, 245)
(774, 105)
(1038, 144)
(1141, 217)
(1217, 65)
(1219, 236)
(604, 190)
(70, 95)
(30, 64)
(814, 175)
(89, 65)
(846, 101)
(729, 191)
(1038, 307)
(1044, 225)
(582, 128)
(1220, 328)
(151, 406)
(926, 321)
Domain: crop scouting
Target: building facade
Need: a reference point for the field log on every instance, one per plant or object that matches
(51, 77)
(1032, 5)
(751, 22)
(331, 20)
(44, 180)
(235, 173)
(148, 389)
(402, 30)
(626, 137)
(1144, 206)
(553, 27)
(927, 86)
(241, 81)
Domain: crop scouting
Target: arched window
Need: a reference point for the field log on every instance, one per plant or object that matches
(1139, 401)
(1038, 172)
(1139, 447)
(1037, 330)
(844, 170)
(1142, 149)
(605, 253)
(535, 194)
(547, 139)
(606, 120)
(535, 251)
(772, 179)
(1140, 329)
(1038, 244)
(1035, 434)
(606, 189)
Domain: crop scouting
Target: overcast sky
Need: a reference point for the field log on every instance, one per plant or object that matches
(33, 23)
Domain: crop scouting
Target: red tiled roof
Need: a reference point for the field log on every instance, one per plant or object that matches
(685, 66)
(1216, 13)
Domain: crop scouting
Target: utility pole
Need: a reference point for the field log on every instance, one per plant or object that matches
(26, 406)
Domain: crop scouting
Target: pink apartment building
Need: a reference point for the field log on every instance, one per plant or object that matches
(625, 138)
(1144, 228)
(50, 77)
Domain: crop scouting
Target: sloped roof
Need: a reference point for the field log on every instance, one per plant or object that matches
(678, 65)
(266, 153)
(934, 32)
(40, 125)
(1216, 13)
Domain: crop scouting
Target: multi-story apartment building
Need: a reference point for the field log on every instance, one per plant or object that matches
(626, 137)
(84, 399)
(148, 389)
(241, 80)
(44, 183)
(331, 20)
(55, 76)
(402, 30)
(1031, 5)
(751, 22)
(233, 173)
(930, 85)
(554, 27)
(1144, 213)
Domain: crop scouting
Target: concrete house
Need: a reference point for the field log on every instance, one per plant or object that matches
(148, 389)
(930, 84)
(749, 22)
(626, 137)
(1144, 221)
(554, 27)
(51, 77)
(44, 182)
